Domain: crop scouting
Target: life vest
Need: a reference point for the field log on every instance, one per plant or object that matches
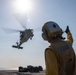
(65, 57)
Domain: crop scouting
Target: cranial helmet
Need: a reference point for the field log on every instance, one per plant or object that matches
(51, 29)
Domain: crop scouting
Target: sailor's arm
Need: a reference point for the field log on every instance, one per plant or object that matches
(69, 38)
(69, 35)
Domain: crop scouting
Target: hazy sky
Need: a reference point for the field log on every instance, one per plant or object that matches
(62, 12)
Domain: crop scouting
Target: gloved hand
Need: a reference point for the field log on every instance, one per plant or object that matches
(67, 29)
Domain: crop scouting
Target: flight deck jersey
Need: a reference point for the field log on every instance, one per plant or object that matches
(59, 57)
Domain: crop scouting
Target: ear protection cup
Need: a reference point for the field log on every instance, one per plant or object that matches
(44, 36)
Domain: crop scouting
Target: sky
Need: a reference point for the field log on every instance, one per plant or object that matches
(63, 12)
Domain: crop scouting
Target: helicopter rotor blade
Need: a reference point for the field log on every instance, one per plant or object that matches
(23, 25)
(22, 19)
(7, 30)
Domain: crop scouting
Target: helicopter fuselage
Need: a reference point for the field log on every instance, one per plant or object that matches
(24, 37)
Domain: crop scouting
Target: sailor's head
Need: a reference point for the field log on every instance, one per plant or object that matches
(51, 30)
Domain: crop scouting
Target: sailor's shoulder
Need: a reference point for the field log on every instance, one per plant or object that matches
(48, 48)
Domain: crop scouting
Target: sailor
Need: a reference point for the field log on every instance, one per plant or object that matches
(59, 56)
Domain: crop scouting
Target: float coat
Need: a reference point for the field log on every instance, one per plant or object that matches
(60, 57)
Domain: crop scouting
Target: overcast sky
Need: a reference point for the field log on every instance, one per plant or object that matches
(62, 12)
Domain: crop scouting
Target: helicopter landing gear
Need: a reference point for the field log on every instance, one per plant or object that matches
(18, 46)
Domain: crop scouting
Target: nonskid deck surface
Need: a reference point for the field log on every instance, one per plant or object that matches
(14, 72)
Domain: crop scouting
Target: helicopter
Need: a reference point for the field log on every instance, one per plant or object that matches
(25, 35)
